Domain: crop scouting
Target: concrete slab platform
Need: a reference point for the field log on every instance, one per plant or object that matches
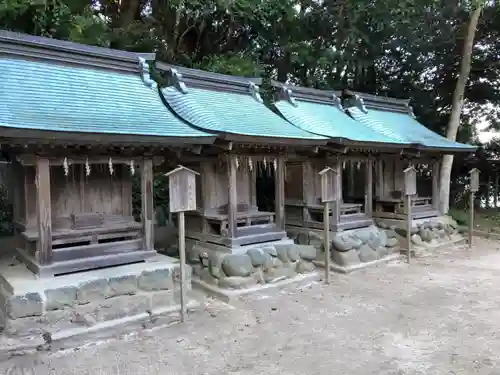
(42, 311)
(230, 295)
(356, 267)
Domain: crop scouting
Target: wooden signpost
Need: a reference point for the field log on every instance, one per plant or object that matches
(182, 197)
(328, 194)
(410, 175)
(473, 188)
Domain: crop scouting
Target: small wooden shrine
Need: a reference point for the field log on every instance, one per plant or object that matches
(352, 153)
(395, 118)
(79, 124)
(389, 188)
(303, 196)
(253, 143)
(75, 213)
(228, 214)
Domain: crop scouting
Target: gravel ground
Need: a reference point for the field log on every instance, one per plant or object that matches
(440, 315)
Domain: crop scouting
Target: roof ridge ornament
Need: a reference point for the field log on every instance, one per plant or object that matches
(337, 102)
(177, 81)
(254, 90)
(410, 110)
(145, 76)
(288, 95)
(360, 103)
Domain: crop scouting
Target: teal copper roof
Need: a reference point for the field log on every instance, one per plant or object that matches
(320, 112)
(394, 117)
(228, 106)
(56, 86)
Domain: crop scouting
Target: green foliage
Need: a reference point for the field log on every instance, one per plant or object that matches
(460, 216)
(160, 194)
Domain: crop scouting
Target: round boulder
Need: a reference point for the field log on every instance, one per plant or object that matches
(449, 230)
(307, 252)
(355, 241)
(293, 253)
(276, 262)
(214, 265)
(270, 250)
(364, 235)
(256, 257)
(382, 224)
(282, 251)
(383, 251)
(367, 254)
(383, 238)
(417, 240)
(426, 235)
(345, 258)
(391, 242)
(391, 233)
(342, 243)
(315, 240)
(452, 223)
(237, 265)
(375, 242)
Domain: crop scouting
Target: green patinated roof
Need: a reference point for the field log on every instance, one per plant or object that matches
(39, 95)
(329, 120)
(233, 113)
(59, 86)
(227, 105)
(404, 127)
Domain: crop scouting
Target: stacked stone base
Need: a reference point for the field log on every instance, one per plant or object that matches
(32, 307)
(352, 249)
(258, 267)
(427, 235)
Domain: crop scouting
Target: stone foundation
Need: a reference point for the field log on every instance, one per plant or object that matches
(427, 235)
(352, 249)
(31, 307)
(256, 268)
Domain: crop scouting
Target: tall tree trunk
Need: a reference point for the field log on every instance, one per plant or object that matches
(456, 109)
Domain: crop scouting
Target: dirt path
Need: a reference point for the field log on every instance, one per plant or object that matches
(438, 316)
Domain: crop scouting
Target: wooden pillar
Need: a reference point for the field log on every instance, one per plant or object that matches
(252, 175)
(435, 185)
(308, 189)
(338, 188)
(147, 204)
(43, 209)
(232, 197)
(279, 192)
(369, 188)
(379, 175)
(351, 181)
